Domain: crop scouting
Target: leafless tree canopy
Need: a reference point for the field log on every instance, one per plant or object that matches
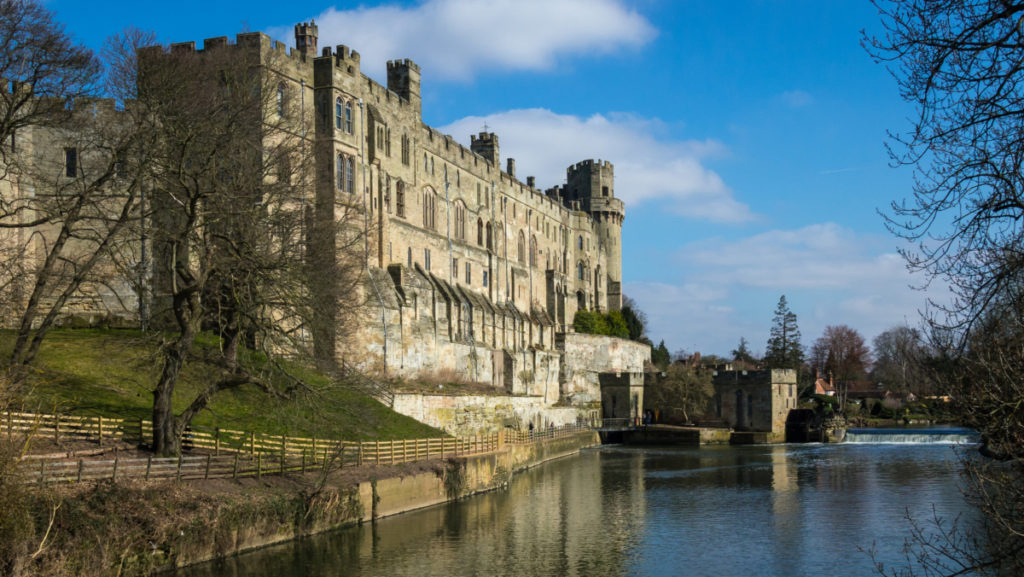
(41, 68)
(961, 63)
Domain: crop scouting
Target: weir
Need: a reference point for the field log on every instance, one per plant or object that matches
(938, 435)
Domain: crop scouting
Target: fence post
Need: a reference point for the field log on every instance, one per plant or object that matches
(259, 465)
(142, 432)
(252, 443)
(101, 429)
(179, 465)
(149, 466)
(56, 427)
(216, 441)
(359, 461)
(376, 453)
(234, 474)
(303, 462)
(313, 453)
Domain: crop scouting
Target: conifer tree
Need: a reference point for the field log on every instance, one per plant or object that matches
(784, 350)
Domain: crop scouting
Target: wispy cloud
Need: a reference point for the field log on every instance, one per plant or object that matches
(796, 98)
(457, 39)
(647, 168)
(831, 274)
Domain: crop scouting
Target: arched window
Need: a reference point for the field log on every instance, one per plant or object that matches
(480, 232)
(387, 194)
(280, 99)
(490, 242)
(579, 271)
(521, 248)
(341, 172)
(428, 209)
(348, 117)
(400, 199)
(460, 220)
(579, 243)
(533, 250)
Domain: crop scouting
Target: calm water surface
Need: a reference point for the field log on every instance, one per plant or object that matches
(782, 510)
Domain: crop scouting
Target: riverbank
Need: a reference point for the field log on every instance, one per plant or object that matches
(137, 528)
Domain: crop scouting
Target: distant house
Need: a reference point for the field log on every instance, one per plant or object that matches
(824, 387)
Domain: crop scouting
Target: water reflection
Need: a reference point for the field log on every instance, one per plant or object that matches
(770, 510)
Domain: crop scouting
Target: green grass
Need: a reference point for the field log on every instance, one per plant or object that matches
(113, 372)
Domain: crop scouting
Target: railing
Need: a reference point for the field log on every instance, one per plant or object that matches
(56, 427)
(239, 453)
(617, 423)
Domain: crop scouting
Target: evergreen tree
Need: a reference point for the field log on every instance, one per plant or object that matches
(742, 353)
(660, 357)
(784, 350)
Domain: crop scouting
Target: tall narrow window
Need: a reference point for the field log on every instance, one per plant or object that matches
(426, 258)
(521, 248)
(485, 278)
(338, 112)
(479, 232)
(346, 173)
(71, 162)
(579, 270)
(400, 199)
(469, 274)
(428, 209)
(579, 243)
(490, 243)
(280, 99)
(410, 257)
(406, 150)
(533, 251)
(348, 117)
(387, 194)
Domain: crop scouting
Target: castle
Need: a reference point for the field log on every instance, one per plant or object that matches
(468, 268)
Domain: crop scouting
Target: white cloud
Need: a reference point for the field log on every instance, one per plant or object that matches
(818, 256)
(851, 278)
(456, 39)
(647, 167)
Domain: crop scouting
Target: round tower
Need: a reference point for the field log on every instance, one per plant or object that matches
(592, 184)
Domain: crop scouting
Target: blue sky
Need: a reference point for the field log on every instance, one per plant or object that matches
(747, 137)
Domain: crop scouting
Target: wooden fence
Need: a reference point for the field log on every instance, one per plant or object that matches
(58, 427)
(231, 453)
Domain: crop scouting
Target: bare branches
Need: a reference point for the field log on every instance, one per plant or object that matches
(962, 64)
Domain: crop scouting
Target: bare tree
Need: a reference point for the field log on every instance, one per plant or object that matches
(233, 224)
(841, 352)
(67, 189)
(961, 63)
(901, 358)
(41, 67)
(683, 393)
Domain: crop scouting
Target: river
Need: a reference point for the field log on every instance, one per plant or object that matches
(777, 510)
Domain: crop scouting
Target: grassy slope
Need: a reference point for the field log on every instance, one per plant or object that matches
(112, 373)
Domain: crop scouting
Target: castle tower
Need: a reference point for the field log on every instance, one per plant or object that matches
(486, 145)
(592, 184)
(404, 80)
(305, 38)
